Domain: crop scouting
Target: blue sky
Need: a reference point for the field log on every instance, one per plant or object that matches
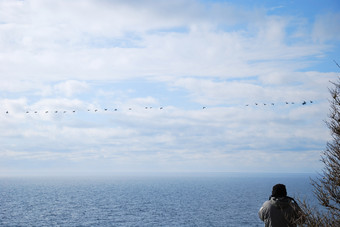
(173, 57)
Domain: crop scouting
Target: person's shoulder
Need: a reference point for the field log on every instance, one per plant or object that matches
(266, 203)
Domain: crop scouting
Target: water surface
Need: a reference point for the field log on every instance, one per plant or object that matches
(169, 200)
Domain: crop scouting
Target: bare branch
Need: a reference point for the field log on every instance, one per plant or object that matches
(327, 184)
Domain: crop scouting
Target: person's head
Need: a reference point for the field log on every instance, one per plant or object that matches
(279, 190)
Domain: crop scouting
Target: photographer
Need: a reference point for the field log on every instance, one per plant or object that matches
(280, 209)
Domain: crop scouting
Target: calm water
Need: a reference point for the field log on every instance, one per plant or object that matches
(182, 200)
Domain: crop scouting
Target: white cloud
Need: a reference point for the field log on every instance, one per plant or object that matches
(61, 41)
(70, 87)
(181, 55)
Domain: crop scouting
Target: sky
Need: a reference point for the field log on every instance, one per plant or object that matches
(114, 86)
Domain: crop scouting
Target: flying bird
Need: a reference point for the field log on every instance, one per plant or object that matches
(161, 107)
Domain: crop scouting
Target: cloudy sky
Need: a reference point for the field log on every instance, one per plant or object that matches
(111, 86)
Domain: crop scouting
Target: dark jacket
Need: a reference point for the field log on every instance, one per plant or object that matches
(277, 212)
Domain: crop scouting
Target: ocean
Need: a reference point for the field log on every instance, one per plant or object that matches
(201, 199)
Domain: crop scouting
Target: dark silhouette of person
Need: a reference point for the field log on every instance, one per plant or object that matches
(280, 209)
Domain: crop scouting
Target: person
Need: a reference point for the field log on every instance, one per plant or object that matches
(280, 209)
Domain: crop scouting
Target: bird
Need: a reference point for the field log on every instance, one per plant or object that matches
(95, 110)
(56, 111)
(304, 103)
(272, 104)
(73, 111)
(115, 109)
(105, 109)
(46, 111)
(6, 112)
(161, 108)
(286, 102)
(203, 107)
(256, 104)
(311, 101)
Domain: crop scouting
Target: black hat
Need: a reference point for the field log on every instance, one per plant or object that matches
(279, 190)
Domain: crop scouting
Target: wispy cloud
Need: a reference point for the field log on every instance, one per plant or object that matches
(121, 85)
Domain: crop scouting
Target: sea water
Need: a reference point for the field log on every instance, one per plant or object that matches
(143, 200)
